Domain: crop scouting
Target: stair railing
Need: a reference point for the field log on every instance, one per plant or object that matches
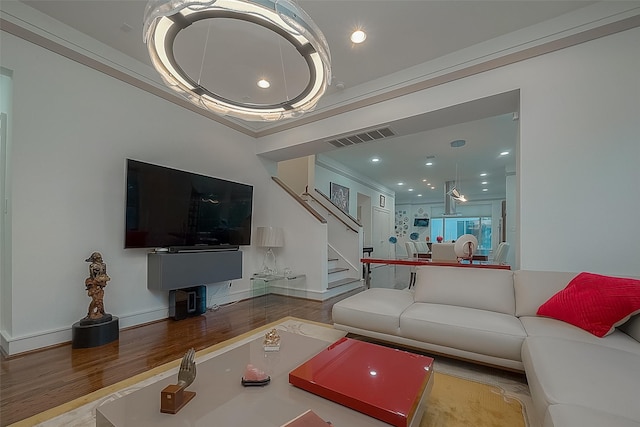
(300, 200)
(350, 222)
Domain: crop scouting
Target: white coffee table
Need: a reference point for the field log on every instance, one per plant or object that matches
(221, 400)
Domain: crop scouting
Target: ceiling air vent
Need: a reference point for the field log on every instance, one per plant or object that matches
(358, 138)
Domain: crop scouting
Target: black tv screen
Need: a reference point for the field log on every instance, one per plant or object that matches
(169, 208)
(421, 222)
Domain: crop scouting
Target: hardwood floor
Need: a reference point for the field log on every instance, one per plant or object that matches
(34, 382)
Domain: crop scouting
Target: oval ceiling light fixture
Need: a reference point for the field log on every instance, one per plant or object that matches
(375, 160)
(358, 36)
(264, 84)
(164, 19)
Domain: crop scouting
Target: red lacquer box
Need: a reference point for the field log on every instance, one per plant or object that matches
(382, 382)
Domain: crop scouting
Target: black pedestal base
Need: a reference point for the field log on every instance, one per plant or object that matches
(104, 319)
(86, 336)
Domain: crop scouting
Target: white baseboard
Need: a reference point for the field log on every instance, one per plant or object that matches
(12, 345)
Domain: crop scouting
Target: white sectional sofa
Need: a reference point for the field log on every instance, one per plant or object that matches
(489, 316)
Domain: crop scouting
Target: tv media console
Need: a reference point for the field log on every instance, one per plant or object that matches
(168, 271)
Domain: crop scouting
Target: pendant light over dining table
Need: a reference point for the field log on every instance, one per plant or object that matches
(294, 30)
(453, 191)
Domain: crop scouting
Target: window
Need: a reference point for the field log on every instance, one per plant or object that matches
(450, 228)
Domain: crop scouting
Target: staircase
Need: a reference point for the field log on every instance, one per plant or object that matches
(344, 238)
(339, 276)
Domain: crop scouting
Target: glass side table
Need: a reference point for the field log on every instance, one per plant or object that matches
(262, 284)
(277, 290)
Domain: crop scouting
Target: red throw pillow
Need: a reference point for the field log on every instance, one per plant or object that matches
(595, 303)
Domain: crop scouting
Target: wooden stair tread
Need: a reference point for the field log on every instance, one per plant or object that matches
(342, 282)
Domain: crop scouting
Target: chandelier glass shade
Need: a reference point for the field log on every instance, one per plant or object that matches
(164, 19)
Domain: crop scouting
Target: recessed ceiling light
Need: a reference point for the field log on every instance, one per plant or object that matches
(358, 36)
(419, 195)
(433, 188)
(411, 189)
(429, 164)
(484, 183)
(504, 153)
(483, 174)
(458, 143)
(264, 84)
(485, 189)
(375, 160)
(424, 180)
(401, 183)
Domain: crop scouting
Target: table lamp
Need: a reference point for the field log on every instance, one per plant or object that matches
(270, 237)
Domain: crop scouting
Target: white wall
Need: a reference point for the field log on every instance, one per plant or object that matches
(295, 172)
(579, 175)
(72, 130)
(305, 243)
(578, 194)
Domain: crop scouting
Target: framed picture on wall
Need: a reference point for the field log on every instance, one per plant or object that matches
(340, 196)
(382, 201)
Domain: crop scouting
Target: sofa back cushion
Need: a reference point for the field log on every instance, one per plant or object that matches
(534, 288)
(481, 288)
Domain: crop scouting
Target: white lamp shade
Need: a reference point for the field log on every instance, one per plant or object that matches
(270, 237)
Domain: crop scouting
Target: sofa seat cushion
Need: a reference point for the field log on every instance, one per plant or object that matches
(375, 309)
(580, 416)
(546, 327)
(562, 371)
(478, 331)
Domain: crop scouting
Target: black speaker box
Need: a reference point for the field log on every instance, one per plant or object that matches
(187, 302)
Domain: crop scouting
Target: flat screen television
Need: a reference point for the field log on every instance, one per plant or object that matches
(170, 208)
(421, 222)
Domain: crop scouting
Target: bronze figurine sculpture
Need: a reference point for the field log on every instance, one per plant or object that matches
(95, 285)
